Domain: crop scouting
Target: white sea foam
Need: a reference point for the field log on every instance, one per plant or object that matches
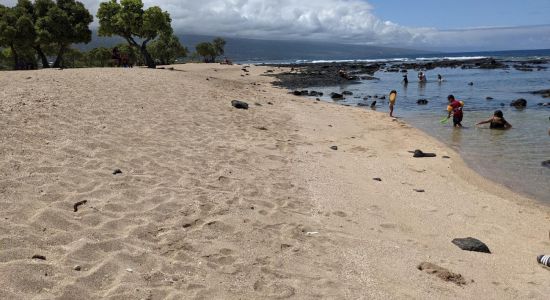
(451, 58)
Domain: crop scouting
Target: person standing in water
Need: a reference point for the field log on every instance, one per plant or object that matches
(392, 98)
(455, 109)
(439, 78)
(497, 121)
(405, 79)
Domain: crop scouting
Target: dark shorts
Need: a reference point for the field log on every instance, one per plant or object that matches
(457, 120)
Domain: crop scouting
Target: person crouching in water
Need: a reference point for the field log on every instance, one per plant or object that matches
(393, 97)
(455, 109)
(497, 121)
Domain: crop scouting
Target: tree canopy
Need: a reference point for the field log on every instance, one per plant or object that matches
(28, 28)
(129, 20)
(166, 49)
(211, 50)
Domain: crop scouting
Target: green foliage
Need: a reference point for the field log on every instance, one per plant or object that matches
(129, 20)
(17, 34)
(41, 28)
(166, 49)
(63, 24)
(99, 57)
(210, 51)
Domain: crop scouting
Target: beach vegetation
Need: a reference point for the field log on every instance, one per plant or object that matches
(167, 49)
(136, 25)
(209, 51)
(43, 28)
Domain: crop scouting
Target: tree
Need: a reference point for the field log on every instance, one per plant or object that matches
(166, 49)
(99, 57)
(209, 51)
(128, 20)
(17, 34)
(64, 24)
(219, 46)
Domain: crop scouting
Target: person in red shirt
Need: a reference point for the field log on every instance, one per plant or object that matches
(455, 109)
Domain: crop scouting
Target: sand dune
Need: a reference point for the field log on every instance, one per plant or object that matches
(219, 203)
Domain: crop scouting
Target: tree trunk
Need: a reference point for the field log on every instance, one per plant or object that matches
(149, 61)
(43, 58)
(15, 57)
(59, 59)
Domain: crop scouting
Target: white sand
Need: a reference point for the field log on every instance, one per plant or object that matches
(211, 206)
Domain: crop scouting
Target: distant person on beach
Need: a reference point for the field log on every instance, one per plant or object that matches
(405, 79)
(497, 121)
(392, 98)
(455, 110)
(439, 78)
(421, 77)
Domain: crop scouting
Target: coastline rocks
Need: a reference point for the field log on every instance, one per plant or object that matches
(489, 98)
(300, 93)
(334, 148)
(543, 93)
(336, 96)
(315, 94)
(373, 104)
(347, 93)
(362, 104)
(519, 103)
(544, 104)
(471, 244)
(239, 104)
(422, 101)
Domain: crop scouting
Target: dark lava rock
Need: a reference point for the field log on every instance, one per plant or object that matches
(239, 104)
(419, 190)
(347, 93)
(471, 83)
(315, 94)
(422, 101)
(117, 172)
(336, 96)
(382, 98)
(519, 103)
(471, 244)
(546, 163)
(544, 104)
(40, 257)
(362, 104)
(419, 153)
(334, 148)
(373, 104)
(300, 93)
(377, 179)
(489, 98)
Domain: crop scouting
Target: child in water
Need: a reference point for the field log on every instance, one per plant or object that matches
(393, 97)
(455, 109)
(497, 121)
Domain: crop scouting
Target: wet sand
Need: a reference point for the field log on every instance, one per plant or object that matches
(219, 203)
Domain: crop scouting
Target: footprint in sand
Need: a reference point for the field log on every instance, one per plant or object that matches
(340, 214)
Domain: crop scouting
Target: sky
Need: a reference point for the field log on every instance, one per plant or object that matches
(446, 25)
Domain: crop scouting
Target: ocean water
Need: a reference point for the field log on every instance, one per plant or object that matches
(513, 157)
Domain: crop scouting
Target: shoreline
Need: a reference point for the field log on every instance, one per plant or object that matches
(215, 202)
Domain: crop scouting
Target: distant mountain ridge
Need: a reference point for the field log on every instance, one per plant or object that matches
(240, 49)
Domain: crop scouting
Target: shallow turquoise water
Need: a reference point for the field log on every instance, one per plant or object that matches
(513, 157)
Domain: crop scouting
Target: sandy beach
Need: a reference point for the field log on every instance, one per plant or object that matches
(213, 202)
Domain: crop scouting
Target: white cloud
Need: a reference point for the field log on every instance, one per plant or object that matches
(349, 21)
